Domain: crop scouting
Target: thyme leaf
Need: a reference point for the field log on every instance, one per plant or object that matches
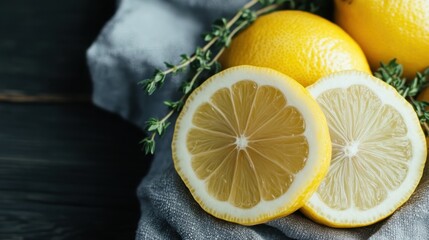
(204, 60)
(391, 73)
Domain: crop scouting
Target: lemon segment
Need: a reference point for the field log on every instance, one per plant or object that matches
(251, 144)
(378, 151)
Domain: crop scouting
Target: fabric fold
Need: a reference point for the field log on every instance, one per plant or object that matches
(138, 39)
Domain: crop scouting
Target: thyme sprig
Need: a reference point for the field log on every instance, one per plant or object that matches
(205, 59)
(391, 73)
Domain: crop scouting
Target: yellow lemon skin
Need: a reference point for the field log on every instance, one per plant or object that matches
(387, 29)
(299, 44)
(251, 145)
(374, 170)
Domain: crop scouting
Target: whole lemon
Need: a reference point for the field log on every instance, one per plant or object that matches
(387, 29)
(299, 44)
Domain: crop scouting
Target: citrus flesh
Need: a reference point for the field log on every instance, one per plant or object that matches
(251, 145)
(378, 151)
(299, 44)
(388, 29)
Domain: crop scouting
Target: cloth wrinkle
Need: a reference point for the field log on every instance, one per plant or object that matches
(137, 40)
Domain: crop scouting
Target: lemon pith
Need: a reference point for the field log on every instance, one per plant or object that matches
(378, 151)
(219, 150)
(242, 145)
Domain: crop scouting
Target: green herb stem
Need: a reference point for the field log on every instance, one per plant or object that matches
(392, 72)
(268, 9)
(236, 30)
(420, 113)
(180, 66)
(238, 14)
(201, 60)
(186, 63)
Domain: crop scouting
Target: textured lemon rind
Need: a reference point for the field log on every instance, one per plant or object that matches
(306, 181)
(317, 210)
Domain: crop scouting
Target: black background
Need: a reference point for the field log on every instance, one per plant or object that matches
(68, 170)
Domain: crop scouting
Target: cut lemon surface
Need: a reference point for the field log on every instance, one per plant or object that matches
(378, 151)
(251, 144)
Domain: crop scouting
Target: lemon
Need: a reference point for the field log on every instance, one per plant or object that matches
(388, 29)
(251, 144)
(378, 150)
(299, 44)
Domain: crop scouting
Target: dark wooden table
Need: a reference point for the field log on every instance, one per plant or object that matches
(68, 170)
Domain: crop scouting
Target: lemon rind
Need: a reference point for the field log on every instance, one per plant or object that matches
(306, 181)
(353, 217)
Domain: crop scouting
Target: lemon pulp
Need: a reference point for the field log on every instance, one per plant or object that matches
(251, 144)
(247, 144)
(378, 150)
(367, 137)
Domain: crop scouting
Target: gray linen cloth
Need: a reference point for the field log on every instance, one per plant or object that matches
(140, 37)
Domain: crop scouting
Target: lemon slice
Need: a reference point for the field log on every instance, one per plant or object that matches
(378, 151)
(251, 144)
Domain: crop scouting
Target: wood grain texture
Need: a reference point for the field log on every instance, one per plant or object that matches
(68, 170)
(43, 43)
